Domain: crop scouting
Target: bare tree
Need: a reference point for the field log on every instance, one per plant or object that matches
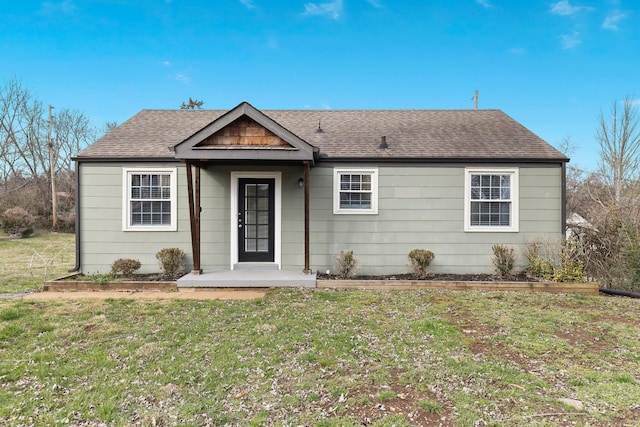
(26, 158)
(193, 104)
(109, 126)
(73, 132)
(610, 200)
(22, 131)
(619, 142)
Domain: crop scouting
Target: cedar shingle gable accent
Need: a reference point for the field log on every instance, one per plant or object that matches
(412, 135)
(244, 132)
(274, 143)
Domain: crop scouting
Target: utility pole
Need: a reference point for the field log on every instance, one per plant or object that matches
(52, 171)
(475, 100)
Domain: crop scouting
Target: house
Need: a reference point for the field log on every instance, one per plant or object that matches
(287, 190)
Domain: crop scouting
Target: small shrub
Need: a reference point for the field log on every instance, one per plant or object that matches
(67, 222)
(17, 222)
(539, 266)
(125, 266)
(102, 279)
(171, 261)
(346, 264)
(560, 264)
(504, 260)
(571, 268)
(419, 260)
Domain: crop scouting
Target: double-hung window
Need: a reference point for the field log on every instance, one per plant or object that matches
(355, 191)
(149, 199)
(491, 199)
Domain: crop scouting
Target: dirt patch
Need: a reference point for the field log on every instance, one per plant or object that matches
(374, 403)
(209, 294)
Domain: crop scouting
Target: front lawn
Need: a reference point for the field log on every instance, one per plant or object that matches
(323, 358)
(26, 263)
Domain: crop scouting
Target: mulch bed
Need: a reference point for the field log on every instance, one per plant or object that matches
(521, 277)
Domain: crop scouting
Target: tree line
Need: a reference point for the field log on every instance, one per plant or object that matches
(607, 242)
(36, 147)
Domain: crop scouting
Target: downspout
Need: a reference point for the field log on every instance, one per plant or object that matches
(620, 293)
(77, 224)
(307, 268)
(563, 212)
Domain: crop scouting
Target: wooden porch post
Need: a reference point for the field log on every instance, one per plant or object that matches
(194, 215)
(307, 270)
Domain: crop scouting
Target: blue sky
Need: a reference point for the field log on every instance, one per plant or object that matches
(551, 65)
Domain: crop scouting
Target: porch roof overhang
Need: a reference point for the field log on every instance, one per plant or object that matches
(294, 149)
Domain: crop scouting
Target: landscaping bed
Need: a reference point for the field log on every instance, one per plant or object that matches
(78, 282)
(476, 282)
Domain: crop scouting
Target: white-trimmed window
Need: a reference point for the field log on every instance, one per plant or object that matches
(149, 199)
(355, 191)
(491, 199)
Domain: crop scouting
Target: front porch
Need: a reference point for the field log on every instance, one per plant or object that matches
(247, 279)
(245, 136)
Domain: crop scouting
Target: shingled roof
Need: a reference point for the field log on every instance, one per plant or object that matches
(437, 135)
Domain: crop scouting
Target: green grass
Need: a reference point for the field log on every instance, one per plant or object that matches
(322, 358)
(27, 263)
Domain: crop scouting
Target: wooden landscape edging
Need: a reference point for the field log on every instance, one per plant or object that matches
(70, 285)
(390, 285)
(61, 285)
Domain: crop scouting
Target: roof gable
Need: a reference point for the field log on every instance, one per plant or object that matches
(244, 133)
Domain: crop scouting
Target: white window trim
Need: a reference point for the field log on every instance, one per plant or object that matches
(374, 191)
(126, 197)
(515, 197)
(235, 177)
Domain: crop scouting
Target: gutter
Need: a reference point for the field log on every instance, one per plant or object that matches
(443, 160)
(124, 159)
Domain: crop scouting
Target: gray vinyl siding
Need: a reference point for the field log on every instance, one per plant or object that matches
(419, 207)
(102, 240)
(423, 207)
(216, 218)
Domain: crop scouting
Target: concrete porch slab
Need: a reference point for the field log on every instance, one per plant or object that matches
(247, 279)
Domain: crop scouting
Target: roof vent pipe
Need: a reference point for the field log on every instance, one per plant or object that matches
(383, 142)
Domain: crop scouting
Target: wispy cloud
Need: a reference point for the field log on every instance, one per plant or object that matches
(611, 21)
(570, 41)
(375, 3)
(484, 3)
(331, 9)
(564, 8)
(166, 63)
(182, 78)
(249, 4)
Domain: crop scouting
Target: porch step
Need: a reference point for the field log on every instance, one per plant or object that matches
(248, 279)
(261, 266)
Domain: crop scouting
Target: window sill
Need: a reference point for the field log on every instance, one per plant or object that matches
(491, 230)
(355, 212)
(151, 228)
